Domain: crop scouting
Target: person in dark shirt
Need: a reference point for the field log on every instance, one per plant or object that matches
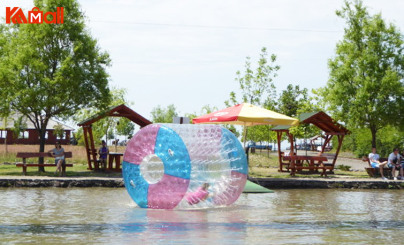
(103, 152)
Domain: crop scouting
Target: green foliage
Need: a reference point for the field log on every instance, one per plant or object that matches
(261, 133)
(344, 167)
(103, 127)
(163, 115)
(291, 100)
(79, 136)
(19, 126)
(365, 88)
(110, 134)
(125, 127)
(294, 101)
(58, 130)
(360, 141)
(256, 87)
(52, 70)
(389, 138)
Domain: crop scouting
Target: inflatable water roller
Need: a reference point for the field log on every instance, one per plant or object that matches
(167, 166)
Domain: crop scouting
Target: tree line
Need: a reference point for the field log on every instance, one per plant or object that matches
(60, 71)
(365, 89)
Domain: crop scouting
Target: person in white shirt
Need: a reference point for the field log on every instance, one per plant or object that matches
(394, 163)
(375, 163)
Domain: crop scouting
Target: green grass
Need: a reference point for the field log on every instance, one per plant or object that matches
(259, 172)
(263, 166)
(78, 170)
(79, 160)
(7, 158)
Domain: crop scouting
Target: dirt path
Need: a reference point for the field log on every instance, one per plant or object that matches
(356, 164)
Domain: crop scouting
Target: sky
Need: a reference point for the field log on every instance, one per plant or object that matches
(187, 52)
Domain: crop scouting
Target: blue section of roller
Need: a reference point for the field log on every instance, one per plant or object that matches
(135, 184)
(171, 149)
(235, 152)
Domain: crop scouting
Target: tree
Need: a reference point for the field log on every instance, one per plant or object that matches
(359, 141)
(4, 105)
(163, 115)
(365, 88)
(125, 127)
(58, 130)
(4, 128)
(19, 127)
(294, 101)
(52, 70)
(257, 88)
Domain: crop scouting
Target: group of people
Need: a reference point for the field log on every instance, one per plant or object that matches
(393, 162)
(59, 154)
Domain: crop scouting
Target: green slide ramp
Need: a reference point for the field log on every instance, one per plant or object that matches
(251, 187)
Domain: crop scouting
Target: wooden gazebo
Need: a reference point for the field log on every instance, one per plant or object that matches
(322, 121)
(117, 111)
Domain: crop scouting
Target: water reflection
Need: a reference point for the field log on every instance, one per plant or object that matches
(109, 216)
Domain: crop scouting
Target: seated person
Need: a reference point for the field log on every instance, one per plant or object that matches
(402, 163)
(199, 195)
(103, 152)
(59, 154)
(375, 163)
(394, 163)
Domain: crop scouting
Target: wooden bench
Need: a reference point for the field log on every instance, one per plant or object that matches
(25, 155)
(375, 172)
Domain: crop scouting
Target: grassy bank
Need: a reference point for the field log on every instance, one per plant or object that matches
(262, 164)
(79, 160)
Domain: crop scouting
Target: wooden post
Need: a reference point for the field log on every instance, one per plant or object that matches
(340, 139)
(24, 167)
(93, 151)
(292, 152)
(279, 138)
(326, 141)
(85, 132)
(292, 149)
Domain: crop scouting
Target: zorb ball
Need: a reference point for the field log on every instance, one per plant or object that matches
(183, 166)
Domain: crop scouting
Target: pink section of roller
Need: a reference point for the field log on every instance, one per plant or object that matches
(167, 193)
(142, 144)
(234, 188)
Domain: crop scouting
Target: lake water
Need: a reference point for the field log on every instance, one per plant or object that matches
(109, 216)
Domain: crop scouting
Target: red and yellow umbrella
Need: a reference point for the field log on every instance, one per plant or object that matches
(247, 115)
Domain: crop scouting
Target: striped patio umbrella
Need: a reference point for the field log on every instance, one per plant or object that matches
(247, 115)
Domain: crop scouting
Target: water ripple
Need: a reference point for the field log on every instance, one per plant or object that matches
(184, 226)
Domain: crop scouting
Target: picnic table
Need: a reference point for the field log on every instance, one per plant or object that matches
(25, 155)
(114, 157)
(312, 163)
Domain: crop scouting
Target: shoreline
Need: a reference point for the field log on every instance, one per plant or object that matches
(64, 182)
(326, 183)
(270, 183)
